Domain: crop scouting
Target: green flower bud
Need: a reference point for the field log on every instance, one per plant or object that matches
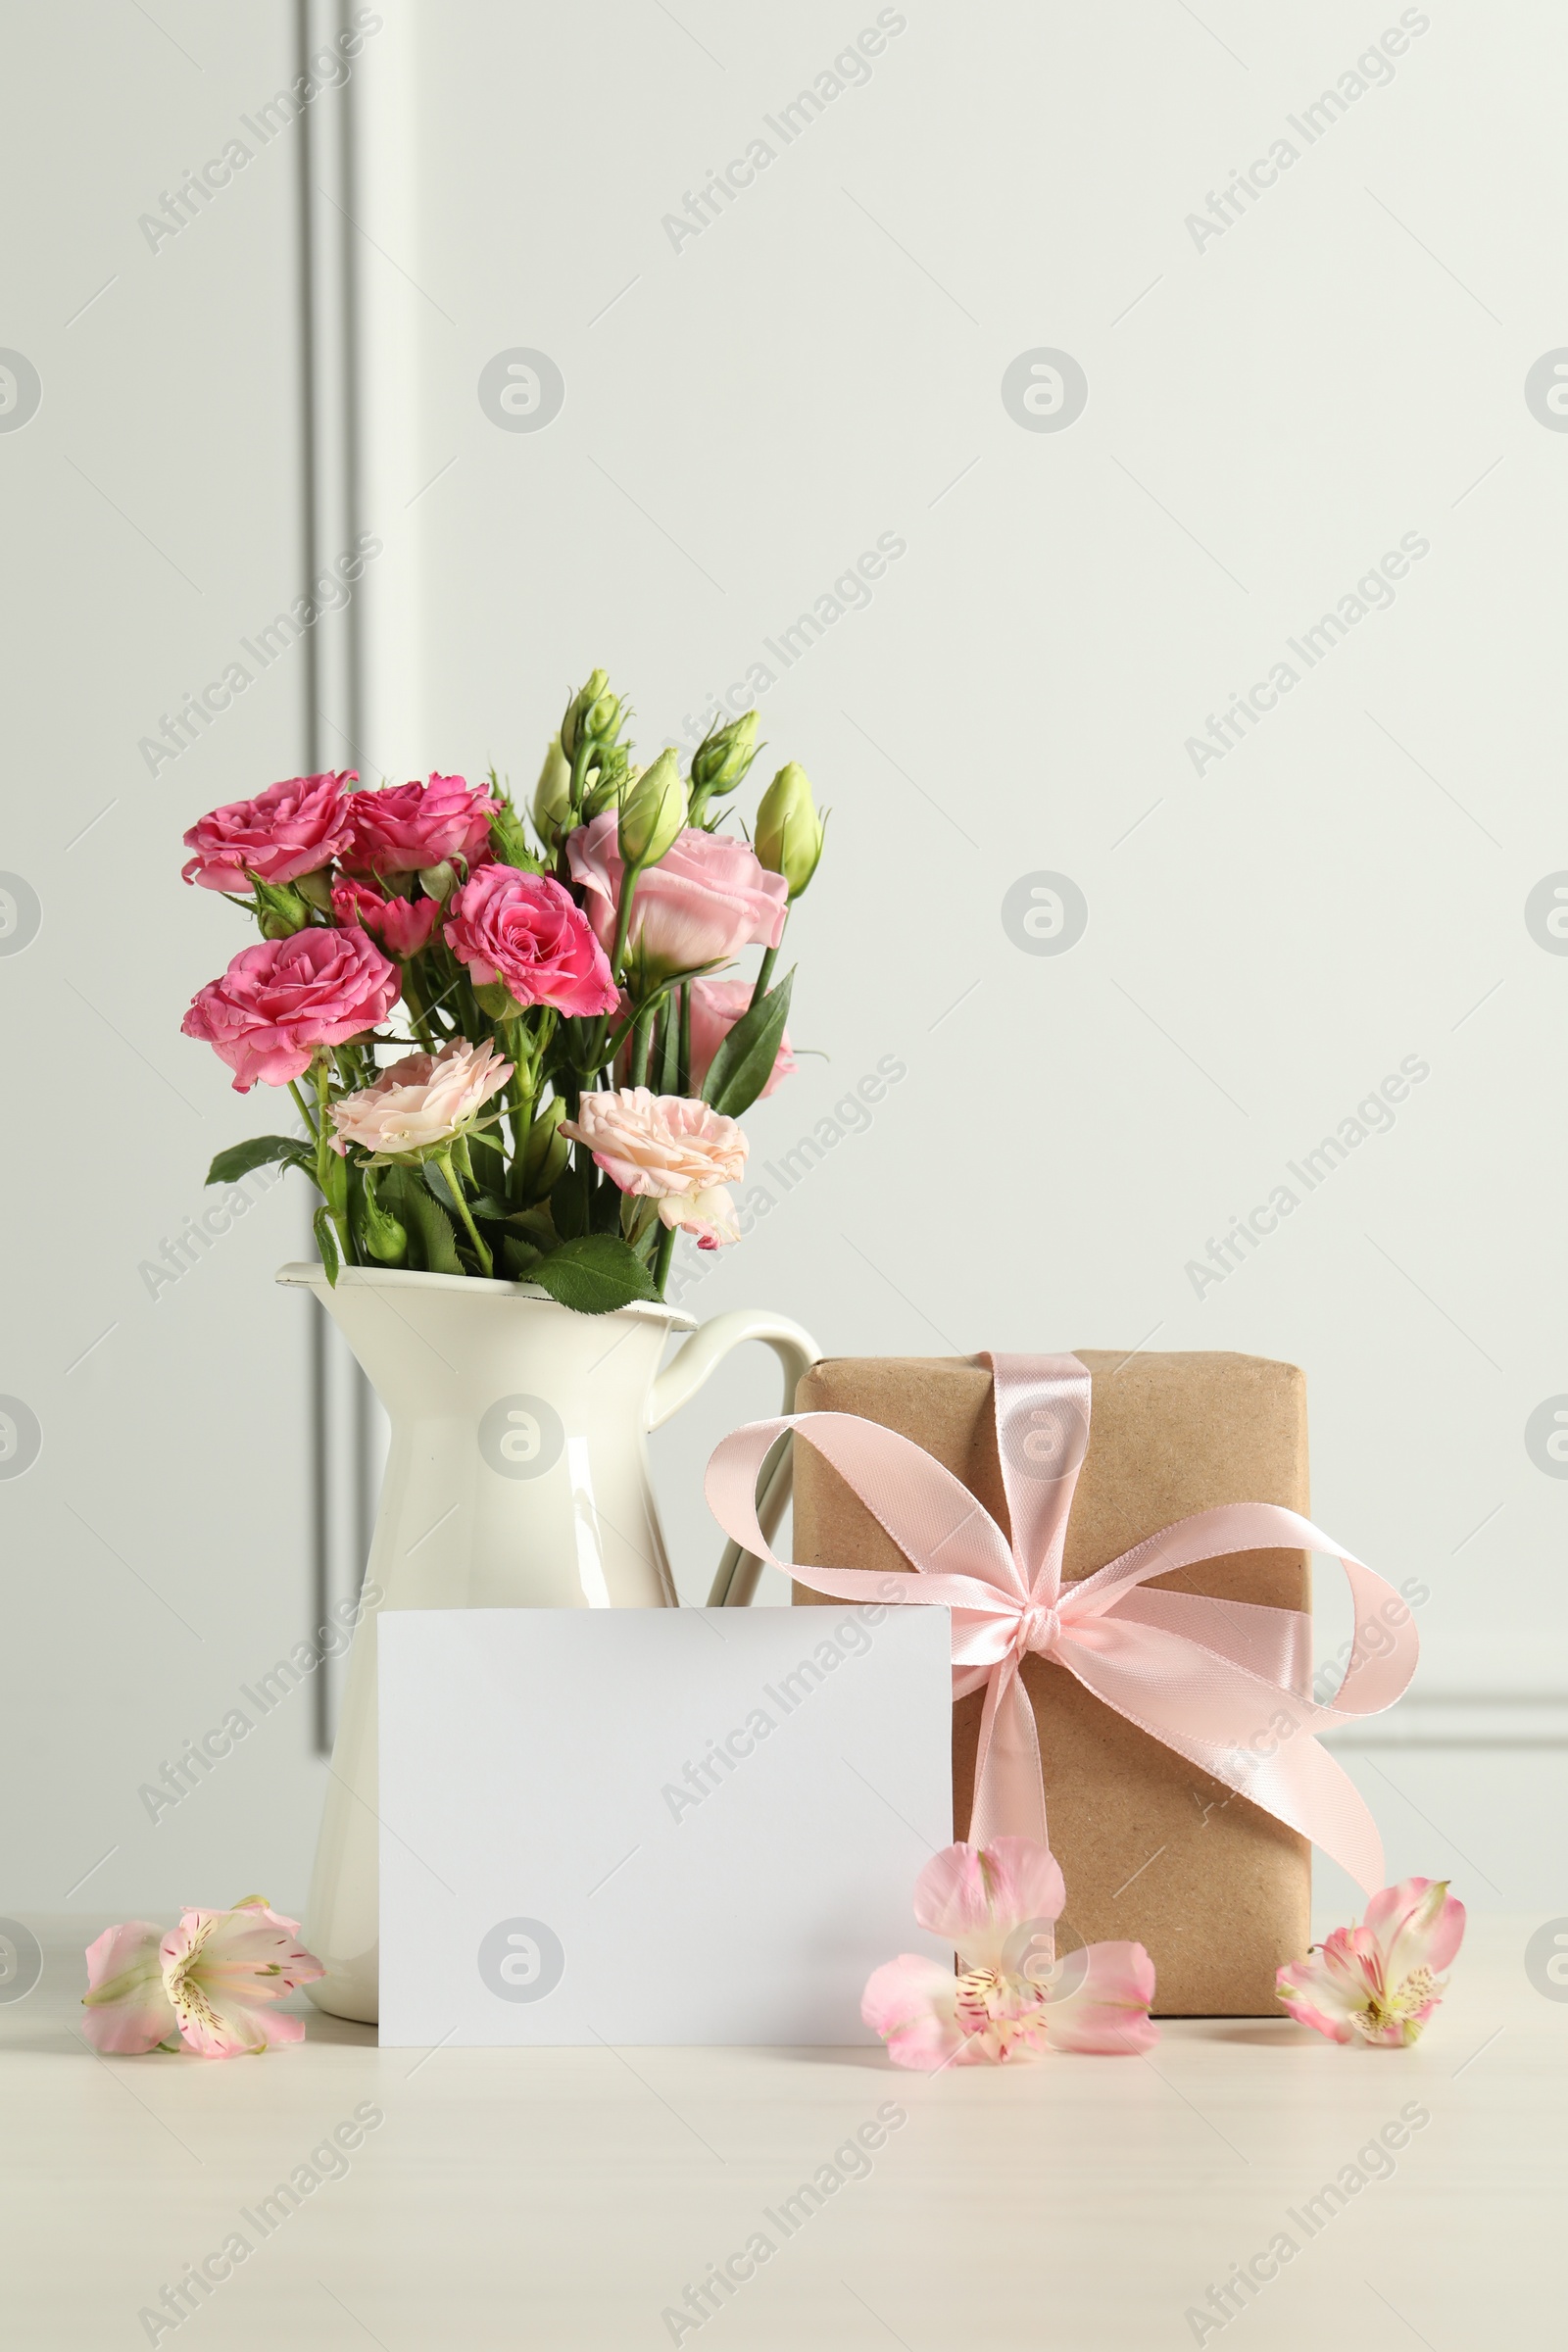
(509, 843)
(578, 710)
(606, 781)
(317, 889)
(652, 812)
(721, 760)
(439, 880)
(789, 831)
(384, 1238)
(552, 795)
(280, 910)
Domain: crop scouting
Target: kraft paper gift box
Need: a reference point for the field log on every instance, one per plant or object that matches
(1152, 1851)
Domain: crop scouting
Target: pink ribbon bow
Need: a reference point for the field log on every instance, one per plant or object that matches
(1224, 1683)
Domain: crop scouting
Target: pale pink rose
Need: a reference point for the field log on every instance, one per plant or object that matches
(705, 899)
(421, 1102)
(406, 826)
(1379, 1983)
(209, 1984)
(717, 1006)
(681, 1153)
(401, 925)
(1013, 1999)
(708, 1216)
(279, 1000)
(290, 829)
(529, 933)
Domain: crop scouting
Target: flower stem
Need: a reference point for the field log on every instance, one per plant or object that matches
(334, 1181)
(612, 1051)
(443, 1161)
(667, 1250)
(520, 1095)
(304, 1106)
(683, 1072)
(642, 1037)
(419, 1019)
(583, 1163)
(764, 973)
(630, 876)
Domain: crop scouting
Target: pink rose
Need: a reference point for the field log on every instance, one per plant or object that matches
(680, 1153)
(406, 826)
(705, 899)
(290, 829)
(530, 934)
(279, 1000)
(421, 1102)
(404, 925)
(717, 1006)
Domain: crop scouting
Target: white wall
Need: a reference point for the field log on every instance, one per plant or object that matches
(155, 1554)
(1266, 940)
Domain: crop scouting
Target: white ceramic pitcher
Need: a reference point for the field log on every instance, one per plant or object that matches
(517, 1478)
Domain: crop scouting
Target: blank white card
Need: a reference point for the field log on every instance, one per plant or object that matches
(654, 1825)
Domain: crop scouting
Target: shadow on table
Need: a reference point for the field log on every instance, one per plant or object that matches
(1254, 2033)
(321, 2028)
(865, 2058)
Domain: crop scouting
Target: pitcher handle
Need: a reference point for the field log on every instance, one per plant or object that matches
(685, 1374)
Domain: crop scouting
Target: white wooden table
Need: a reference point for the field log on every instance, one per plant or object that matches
(567, 2199)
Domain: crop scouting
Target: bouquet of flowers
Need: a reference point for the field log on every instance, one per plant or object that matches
(565, 1099)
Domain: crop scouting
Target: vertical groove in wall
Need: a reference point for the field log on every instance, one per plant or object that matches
(364, 1481)
(340, 1403)
(353, 468)
(310, 548)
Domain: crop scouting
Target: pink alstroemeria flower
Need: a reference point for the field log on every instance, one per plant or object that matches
(210, 1982)
(1013, 1999)
(1379, 1983)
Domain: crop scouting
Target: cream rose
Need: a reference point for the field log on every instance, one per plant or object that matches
(681, 1153)
(421, 1102)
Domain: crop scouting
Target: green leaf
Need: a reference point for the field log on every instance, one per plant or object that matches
(594, 1275)
(488, 1163)
(240, 1158)
(519, 1258)
(437, 1243)
(537, 1224)
(496, 1000)
(435, 1180)
(486, 1205)
(567, 1206)
(327, 1242)
(744, 1062)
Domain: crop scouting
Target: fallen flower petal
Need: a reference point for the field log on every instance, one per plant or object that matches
(977, 1899)
(1100, 2001)
(128, 2008)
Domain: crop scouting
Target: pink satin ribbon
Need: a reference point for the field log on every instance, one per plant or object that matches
(1224, 1683)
